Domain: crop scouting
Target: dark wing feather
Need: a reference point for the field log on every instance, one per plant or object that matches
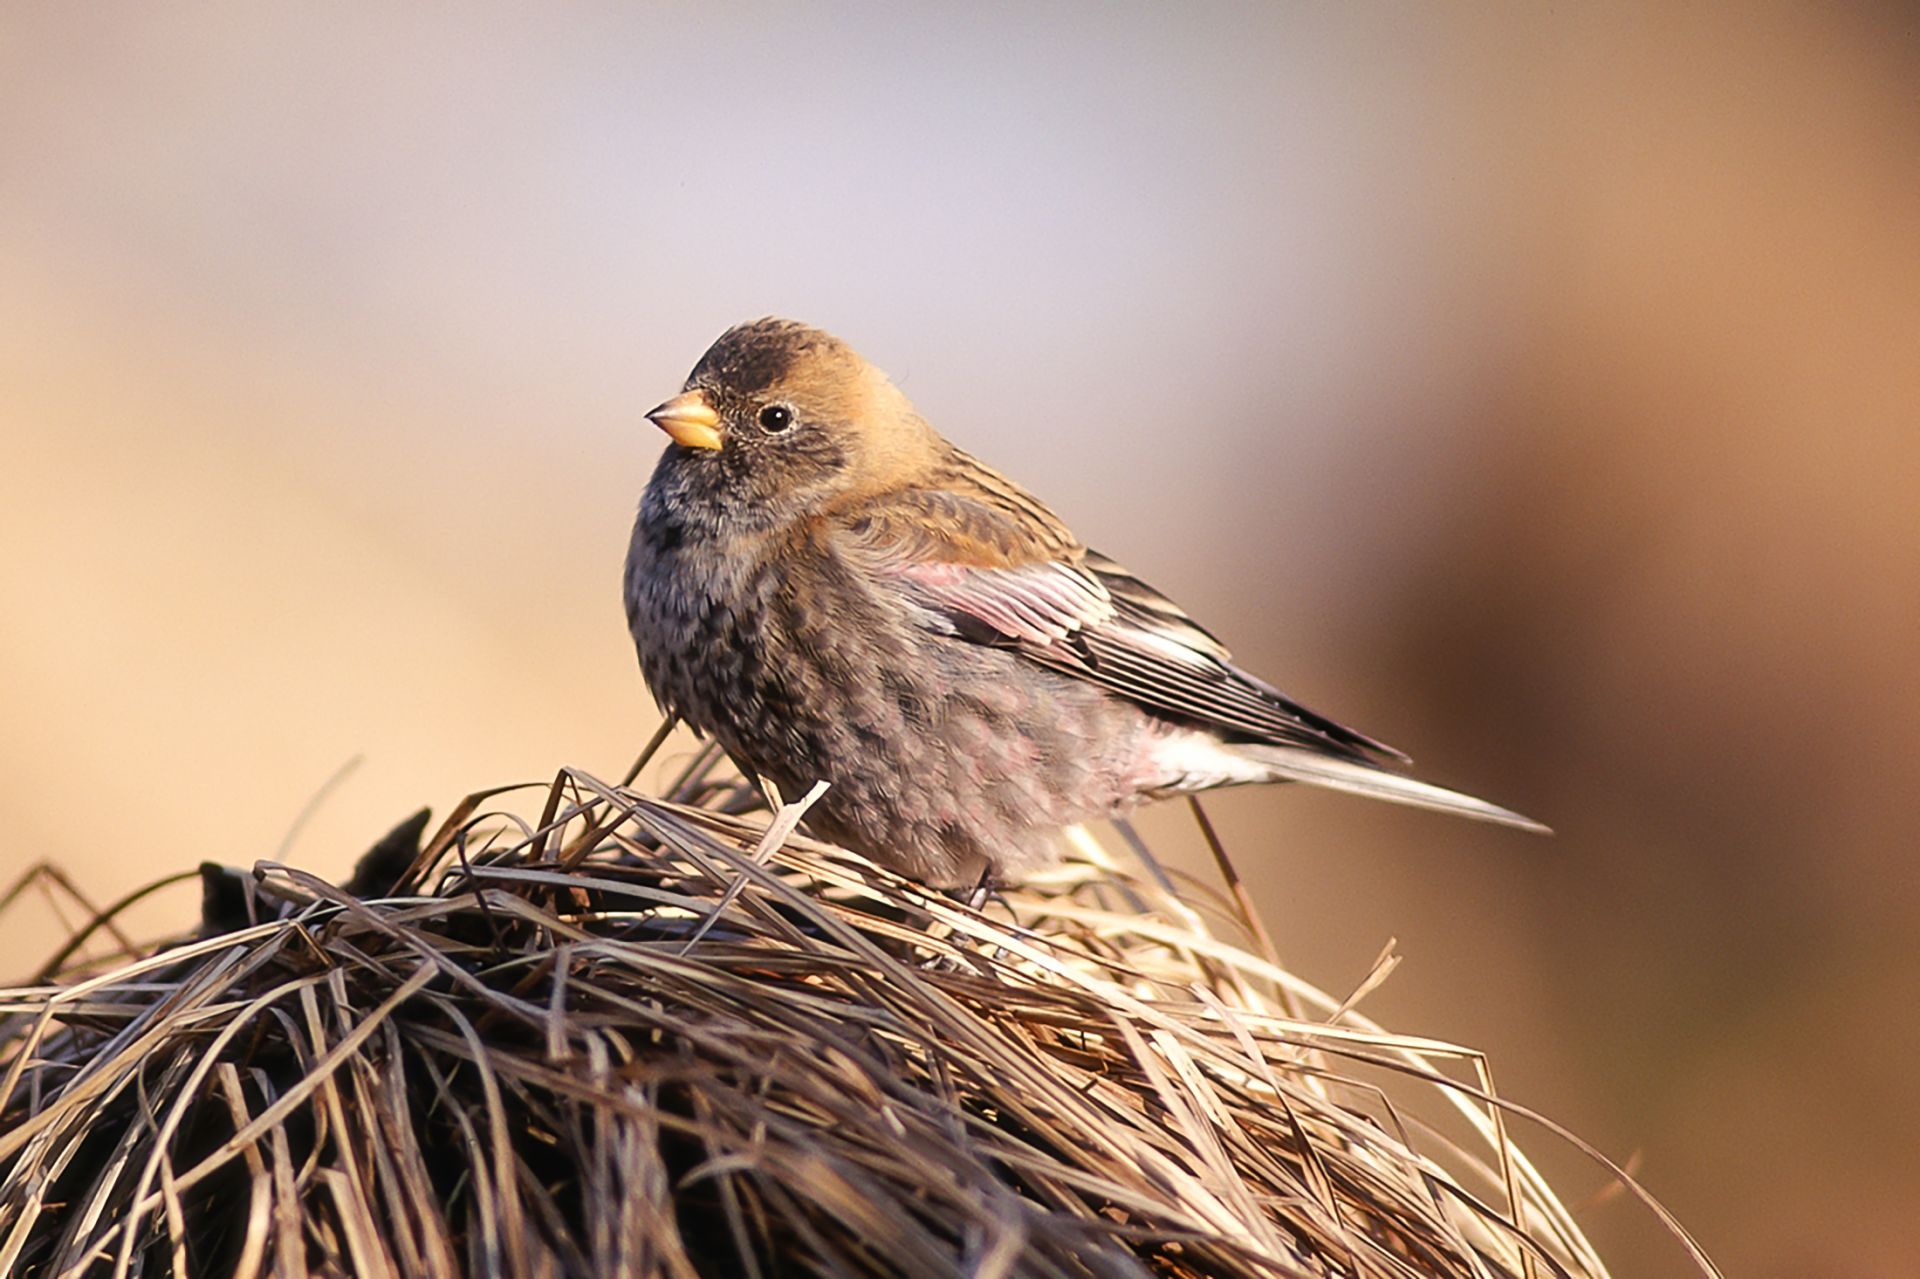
(987, 564)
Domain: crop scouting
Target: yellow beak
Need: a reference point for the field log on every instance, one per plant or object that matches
(690, 420)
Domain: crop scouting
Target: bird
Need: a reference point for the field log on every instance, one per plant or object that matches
(819, 581)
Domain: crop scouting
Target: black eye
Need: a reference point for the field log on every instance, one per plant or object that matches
(775, 418)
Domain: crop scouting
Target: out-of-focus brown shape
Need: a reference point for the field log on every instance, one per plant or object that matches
(1689, 559)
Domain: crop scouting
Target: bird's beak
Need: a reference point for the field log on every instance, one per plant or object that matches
(690, 420)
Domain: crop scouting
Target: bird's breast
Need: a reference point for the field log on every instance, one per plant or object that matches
(760, 643)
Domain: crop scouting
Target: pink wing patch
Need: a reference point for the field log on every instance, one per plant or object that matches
(1044, 603)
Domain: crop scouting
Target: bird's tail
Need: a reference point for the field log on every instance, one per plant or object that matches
(1294, 764)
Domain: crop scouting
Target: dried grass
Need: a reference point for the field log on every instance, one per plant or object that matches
(660, 1036)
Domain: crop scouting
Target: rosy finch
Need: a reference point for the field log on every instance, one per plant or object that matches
(833, 592)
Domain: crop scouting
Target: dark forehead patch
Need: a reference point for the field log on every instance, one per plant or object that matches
(749, 358)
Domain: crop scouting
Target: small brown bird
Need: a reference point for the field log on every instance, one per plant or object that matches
(834, 592)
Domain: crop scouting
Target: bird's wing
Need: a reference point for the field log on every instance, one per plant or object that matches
(987, 564)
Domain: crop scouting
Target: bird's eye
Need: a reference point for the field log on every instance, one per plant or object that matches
(775, 418)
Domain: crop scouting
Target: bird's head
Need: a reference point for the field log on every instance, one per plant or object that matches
(779, 421)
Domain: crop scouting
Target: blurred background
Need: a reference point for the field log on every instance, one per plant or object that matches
(1536, 390)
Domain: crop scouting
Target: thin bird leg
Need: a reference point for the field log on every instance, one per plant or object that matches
(981, 890)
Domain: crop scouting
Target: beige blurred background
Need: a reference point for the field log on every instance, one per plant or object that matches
(1536, 390)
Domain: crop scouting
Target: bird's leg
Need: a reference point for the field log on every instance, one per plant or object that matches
(977, 896)
(981, 890)
(973, 899)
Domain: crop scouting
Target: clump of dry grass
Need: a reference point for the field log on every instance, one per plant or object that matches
(651, 1036)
